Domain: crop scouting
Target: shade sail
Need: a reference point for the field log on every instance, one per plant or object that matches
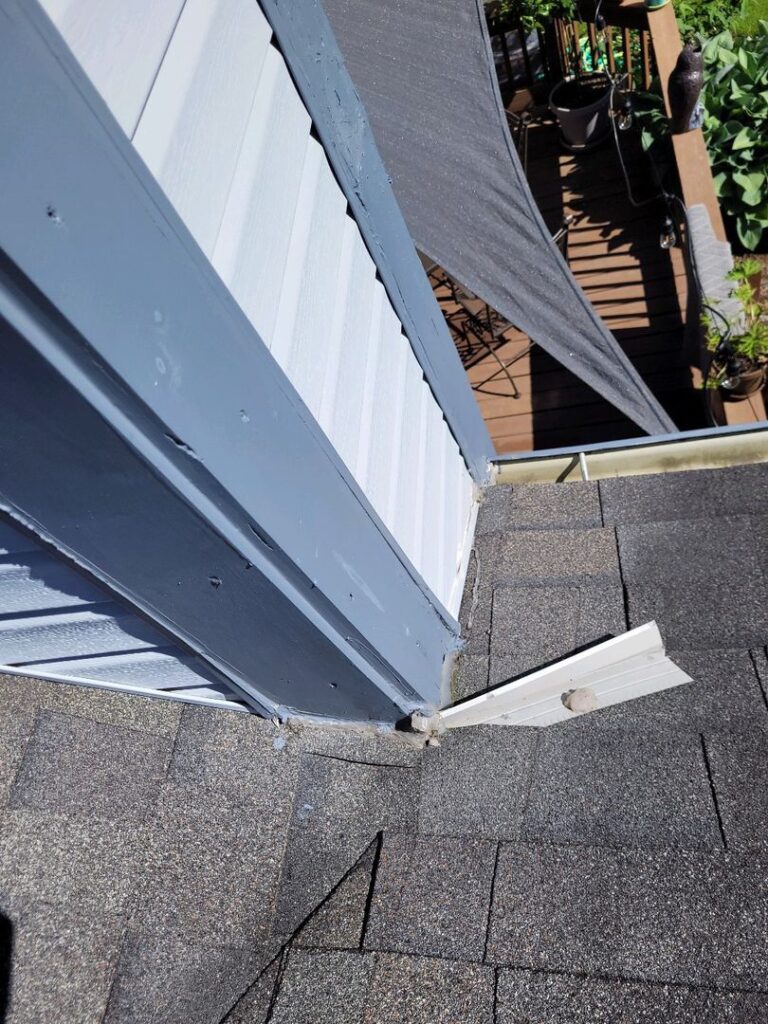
(426, 76)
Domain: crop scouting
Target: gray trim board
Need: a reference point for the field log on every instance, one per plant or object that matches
(84, 221)
(72, 479)
(307, 42)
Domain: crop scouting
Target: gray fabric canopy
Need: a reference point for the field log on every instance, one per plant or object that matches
(425, 73)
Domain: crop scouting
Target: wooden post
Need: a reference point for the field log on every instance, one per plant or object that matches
(626, 40)
(593, 45)
(645, 56)
(576, 46)
(609, 48)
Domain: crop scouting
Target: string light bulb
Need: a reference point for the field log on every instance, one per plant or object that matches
(667, 235)
(624, 117)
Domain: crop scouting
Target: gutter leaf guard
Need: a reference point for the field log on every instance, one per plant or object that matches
(426, 76)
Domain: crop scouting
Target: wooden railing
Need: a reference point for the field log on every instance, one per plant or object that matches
(510, 38)
(620, 49)
(637, 43)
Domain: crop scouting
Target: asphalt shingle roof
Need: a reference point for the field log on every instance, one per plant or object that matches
(190, 866)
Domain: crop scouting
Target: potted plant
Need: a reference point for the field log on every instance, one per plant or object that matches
(582, 106)
(739, 355)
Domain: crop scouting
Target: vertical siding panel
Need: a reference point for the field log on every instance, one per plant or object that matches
(252, 246)
(296, 259)
(457, 508)
(434, 523)
(193, 124)
(409, 509)
(333, 349)
(373, 371)
(322, 282)
(383, 461)
(344, 416)
(466, 504)
(119, 45)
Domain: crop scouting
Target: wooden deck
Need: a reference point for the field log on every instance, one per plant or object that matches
(638, 289)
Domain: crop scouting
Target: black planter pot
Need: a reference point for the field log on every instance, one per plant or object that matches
(582, 107)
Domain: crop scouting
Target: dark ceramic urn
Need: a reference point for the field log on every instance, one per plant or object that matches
(685, 85)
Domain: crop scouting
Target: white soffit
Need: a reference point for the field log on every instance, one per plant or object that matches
(626, 667)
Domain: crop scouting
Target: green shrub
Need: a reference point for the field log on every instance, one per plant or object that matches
(705, 18)
(531, 13)
(736, 129)
(747, 22)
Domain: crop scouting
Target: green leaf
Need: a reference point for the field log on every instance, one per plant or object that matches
(750, 232)
(744, 139)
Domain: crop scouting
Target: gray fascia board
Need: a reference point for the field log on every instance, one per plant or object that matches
(115, 252)
(87, 484)
(307, 42)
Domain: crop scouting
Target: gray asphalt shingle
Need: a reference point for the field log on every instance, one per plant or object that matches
(338, 921)
(470, 676)
(476, 783)
(64, 959)
(535, 625)
(621, 788)
(357, 744)
(663, 916)
(431, 897)
(166, 979)
(703, 614)
(760, 661)
(524, 997)
(210, 870)
(323, 987)
(15, 730)
(68, 861)
(728, 548)
(419, 990)
(552, 556)
(149, 714)
(539, 507)
(338, 809)
(476, 619)
(80, 767)
(739, 765)
(699, 494)
(254, 1005)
